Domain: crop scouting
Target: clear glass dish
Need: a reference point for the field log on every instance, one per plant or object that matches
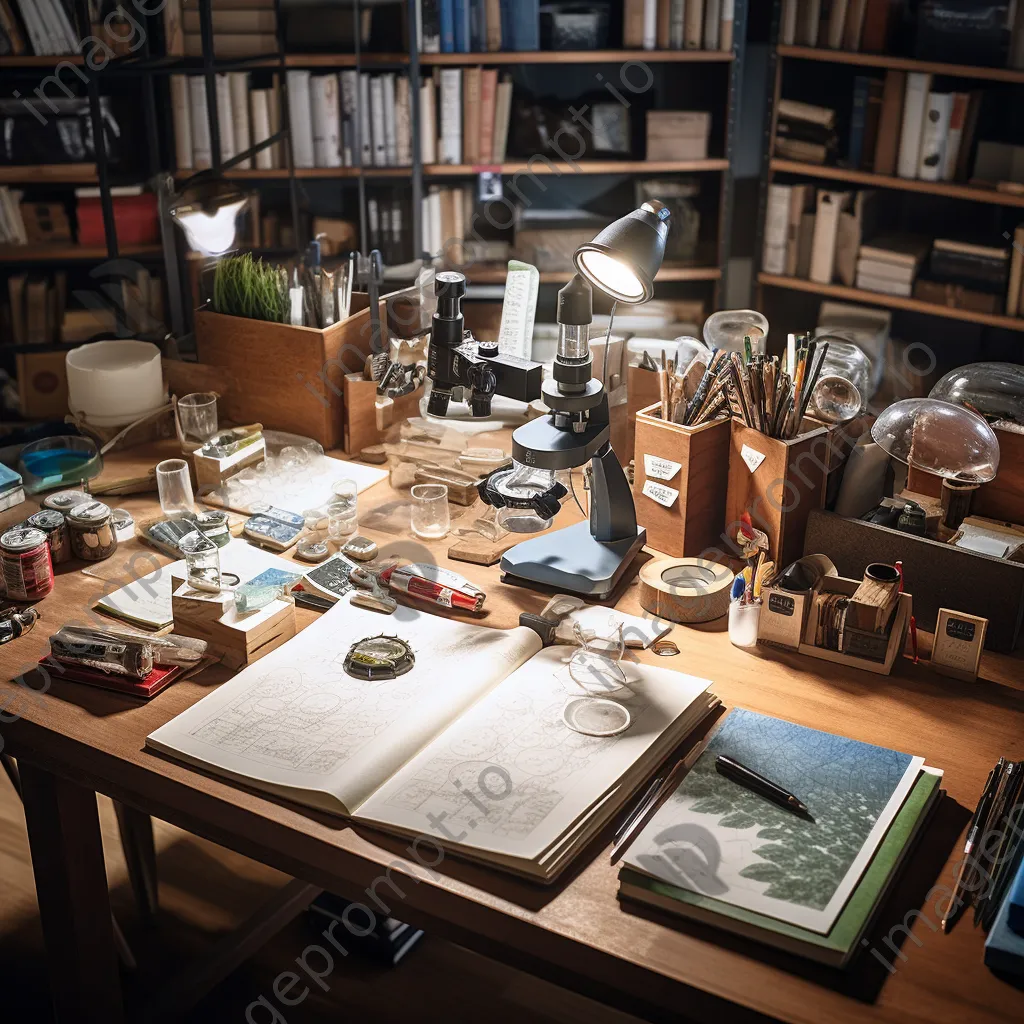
(939, 437)
(727, 328)
(996, 390)
(58, 461)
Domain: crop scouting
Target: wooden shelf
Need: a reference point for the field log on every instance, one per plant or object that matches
(31, 61)
(580, 57)
(281, 173)
(881, 60)
(950, 189)
(58, 252)
(336, 60)
(839, 291)
(497, 275)
(34, 174)
(542, 166)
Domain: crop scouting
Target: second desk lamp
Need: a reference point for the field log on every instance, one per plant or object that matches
(587, 558)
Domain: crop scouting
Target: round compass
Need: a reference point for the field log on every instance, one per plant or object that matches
(379, 657)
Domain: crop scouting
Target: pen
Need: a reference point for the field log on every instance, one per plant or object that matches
(748, 778)
(1000, 805)
(956, 903)
(1004, 864)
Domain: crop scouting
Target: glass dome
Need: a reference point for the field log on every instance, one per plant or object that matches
(996, 390)
(844, 384)
(687, 348)
(938, 437)
(727, 328)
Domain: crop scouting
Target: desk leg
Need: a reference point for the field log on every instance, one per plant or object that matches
(136, 829)
(71, 888)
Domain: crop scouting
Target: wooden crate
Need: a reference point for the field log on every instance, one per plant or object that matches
(288, 378)
(1003, 497)
(641, 391)
(693, 523)
(786, 485)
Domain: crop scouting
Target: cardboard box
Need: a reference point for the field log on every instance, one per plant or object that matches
(678, 134)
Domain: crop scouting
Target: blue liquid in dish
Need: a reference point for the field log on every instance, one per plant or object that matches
(57, 463)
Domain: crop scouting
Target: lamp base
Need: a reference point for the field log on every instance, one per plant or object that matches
(572, 561)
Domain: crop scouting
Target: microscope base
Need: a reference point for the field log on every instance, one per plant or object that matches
(572, 561)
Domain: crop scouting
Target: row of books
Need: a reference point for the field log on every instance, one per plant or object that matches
(12, 223)
(46, 27)
(986, 34)
(678, 24)
(477, 26)
(464, 116)
(842, 25)
(241, 28)
(825, 236)
(898, 126)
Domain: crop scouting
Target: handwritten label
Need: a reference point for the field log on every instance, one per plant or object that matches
(660, 493)
(781, 604)
(660, 469)
(752, 457)
(959, 629)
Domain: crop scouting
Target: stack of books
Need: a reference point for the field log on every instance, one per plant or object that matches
(890, 264)
(678, 24)
(720, 853)
(966, 276)
(241, 28)
(11, 490)
(805, 132)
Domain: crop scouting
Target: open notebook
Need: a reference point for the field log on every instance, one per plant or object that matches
(469, 747)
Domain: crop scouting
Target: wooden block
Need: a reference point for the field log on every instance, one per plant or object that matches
(211, 472)
(678, 134)
(361, 427)
(478, 550)
(42, 384)
(780, 493)
(959, 640)
(692, 525)
(871, 606)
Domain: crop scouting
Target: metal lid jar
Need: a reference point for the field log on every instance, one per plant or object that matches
(92, 533)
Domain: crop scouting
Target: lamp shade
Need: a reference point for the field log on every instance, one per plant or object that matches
(624, 258)
(207, 212)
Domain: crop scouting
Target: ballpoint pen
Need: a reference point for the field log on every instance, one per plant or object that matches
(957, 903)
(757, 783)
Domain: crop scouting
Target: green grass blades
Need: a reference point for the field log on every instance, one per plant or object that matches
(251, 288)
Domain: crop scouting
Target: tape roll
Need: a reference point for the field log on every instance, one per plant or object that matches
(685, 589)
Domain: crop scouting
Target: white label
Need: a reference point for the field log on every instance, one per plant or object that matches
(752, 457)
(660, 469)
(661, 494)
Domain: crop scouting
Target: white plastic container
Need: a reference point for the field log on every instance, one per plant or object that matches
(114, 383)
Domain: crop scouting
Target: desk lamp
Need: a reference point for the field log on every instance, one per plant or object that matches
(207, 212)
(587, 558)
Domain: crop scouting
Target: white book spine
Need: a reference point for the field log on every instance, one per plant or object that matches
(437, 229)
(428, 123)
(712, 23)
(451, 115)
(776, 229)
(300, 118)
(787, 30)
(914, 105)
(63, 29)
(425, 222)
(260, 100)
(677, 24)
(239, 84)
(181, 111)
(935, 136)
(349, 81)
(650, 24)
(403, 125)
(225, 118)
(365, 134)
(502, 115)
(377, 129)
(37, 35)
(326, 121)
(390, 120)
(202, 154)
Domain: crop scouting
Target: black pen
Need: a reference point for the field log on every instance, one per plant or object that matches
(757, 783)
(956, 904)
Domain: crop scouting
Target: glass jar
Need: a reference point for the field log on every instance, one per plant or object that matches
(202, 562)
(92, 533)
(996, 390)
(844, 382)
(213, 524)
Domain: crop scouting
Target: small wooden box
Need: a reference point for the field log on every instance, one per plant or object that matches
(959, 639)
(893, 648)
(783, 617)
(679, 484)
(237, 639)
(678, 134)
(779, 483)
(211, 472)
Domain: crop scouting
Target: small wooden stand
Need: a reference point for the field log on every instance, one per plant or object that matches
(211, 472)
(690, 524)
(237, 640)
(786, 483)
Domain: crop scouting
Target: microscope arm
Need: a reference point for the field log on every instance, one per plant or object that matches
(612, 512)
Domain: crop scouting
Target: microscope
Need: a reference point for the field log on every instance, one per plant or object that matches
(588, 558)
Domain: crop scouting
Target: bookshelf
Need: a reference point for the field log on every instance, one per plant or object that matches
(794, 63)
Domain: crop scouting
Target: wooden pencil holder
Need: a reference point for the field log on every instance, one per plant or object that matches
(680, 483)
(779, 483)
(641, 391)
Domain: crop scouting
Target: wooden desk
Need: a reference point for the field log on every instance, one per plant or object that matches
(73, 740)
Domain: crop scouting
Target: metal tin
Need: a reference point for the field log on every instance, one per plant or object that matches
(65, 501)
(92, 533)
(213, 524)
(27, 565)
(53, 524)
(124, 524)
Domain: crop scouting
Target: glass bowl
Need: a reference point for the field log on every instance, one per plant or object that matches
(939, 437)
(727, 328)
(58, 461)
(844, 384)
(996, 390)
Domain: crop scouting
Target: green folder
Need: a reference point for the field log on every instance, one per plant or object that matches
(838, 946)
